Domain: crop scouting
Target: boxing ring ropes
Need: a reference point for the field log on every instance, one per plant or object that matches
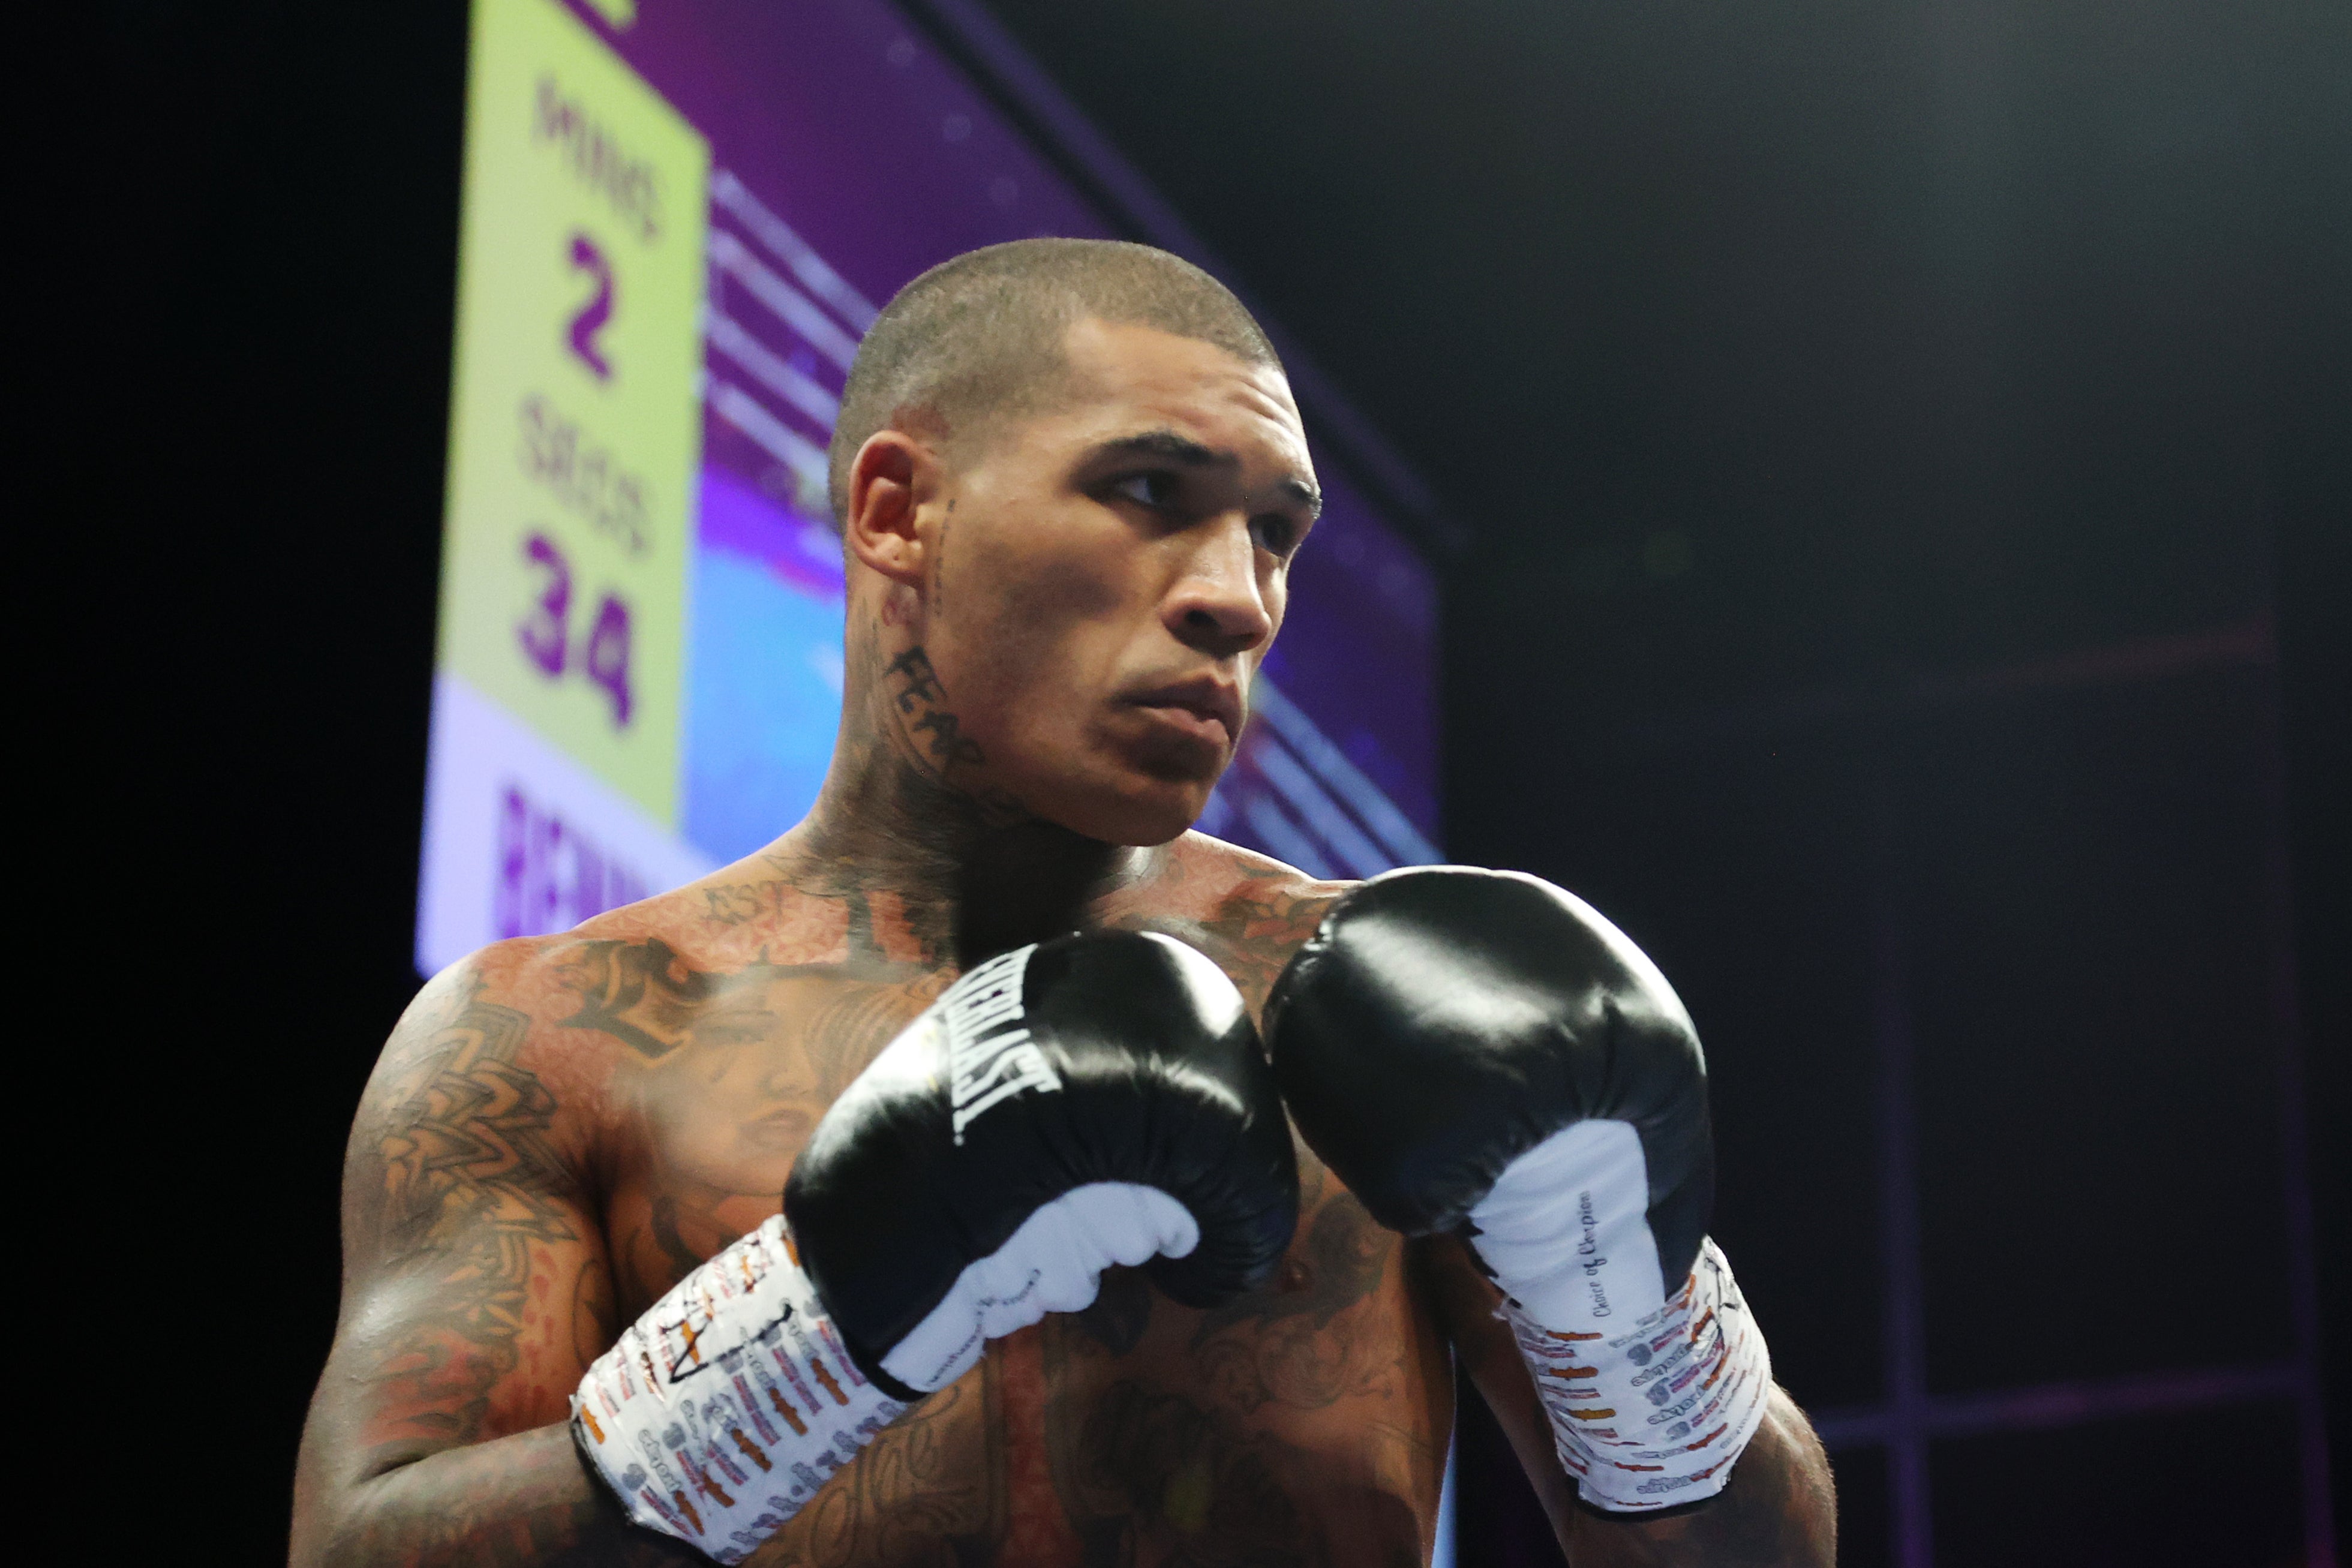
(1910, 1418)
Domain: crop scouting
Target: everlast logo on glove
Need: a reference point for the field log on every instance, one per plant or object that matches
(993, 1057)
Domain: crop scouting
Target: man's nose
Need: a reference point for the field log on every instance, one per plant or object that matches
(1218, 604)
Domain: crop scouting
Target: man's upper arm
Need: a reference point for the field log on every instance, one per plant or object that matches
(474, 1287)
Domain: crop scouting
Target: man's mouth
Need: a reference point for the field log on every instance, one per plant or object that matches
(1206, 709)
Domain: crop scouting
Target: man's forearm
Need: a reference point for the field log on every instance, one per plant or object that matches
(1778, 1510)
(516, 1501)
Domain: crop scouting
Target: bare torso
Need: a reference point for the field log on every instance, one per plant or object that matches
(675, 1056)
(560, 1127)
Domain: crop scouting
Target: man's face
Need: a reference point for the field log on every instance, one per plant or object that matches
(1110, 574)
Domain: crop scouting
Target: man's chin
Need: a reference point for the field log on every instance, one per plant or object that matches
(1143, 815)
(1144, 829)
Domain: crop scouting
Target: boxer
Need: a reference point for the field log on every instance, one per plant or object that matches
(917, 1191)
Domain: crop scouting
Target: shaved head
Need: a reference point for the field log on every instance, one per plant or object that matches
(979, 339)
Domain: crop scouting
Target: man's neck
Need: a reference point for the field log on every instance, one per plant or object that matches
(975, 879)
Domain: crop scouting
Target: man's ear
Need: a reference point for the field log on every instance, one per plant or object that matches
(894, 481)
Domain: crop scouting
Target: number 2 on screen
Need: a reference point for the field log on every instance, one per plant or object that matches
(591, 317)
(546, 637)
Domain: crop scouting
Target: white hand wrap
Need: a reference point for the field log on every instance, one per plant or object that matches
(721, 1411)
(1650, 1399)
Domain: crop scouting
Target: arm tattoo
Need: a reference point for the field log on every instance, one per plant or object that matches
(452, 1176)
(930, 1488)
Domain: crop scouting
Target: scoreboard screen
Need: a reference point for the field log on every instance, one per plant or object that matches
(678, 220)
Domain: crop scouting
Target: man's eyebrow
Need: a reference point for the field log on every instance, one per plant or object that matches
(1171, 445)
(1174, 446)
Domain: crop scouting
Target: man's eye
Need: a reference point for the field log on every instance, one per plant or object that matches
(1152, 490)
(1274, 532)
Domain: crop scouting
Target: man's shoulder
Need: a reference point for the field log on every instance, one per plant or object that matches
(496, 999)
(632, 977)
(1249, 911)
(1208, 877)
(537, 990)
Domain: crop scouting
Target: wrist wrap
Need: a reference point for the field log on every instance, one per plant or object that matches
(1650, 1397)
(718, 1413)
(1653, 1415)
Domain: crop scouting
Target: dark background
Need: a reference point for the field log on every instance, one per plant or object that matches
(1906, 456)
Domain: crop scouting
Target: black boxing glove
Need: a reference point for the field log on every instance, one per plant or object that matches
(1093, 1093)
(1479, 1052)
(1095, 1100)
